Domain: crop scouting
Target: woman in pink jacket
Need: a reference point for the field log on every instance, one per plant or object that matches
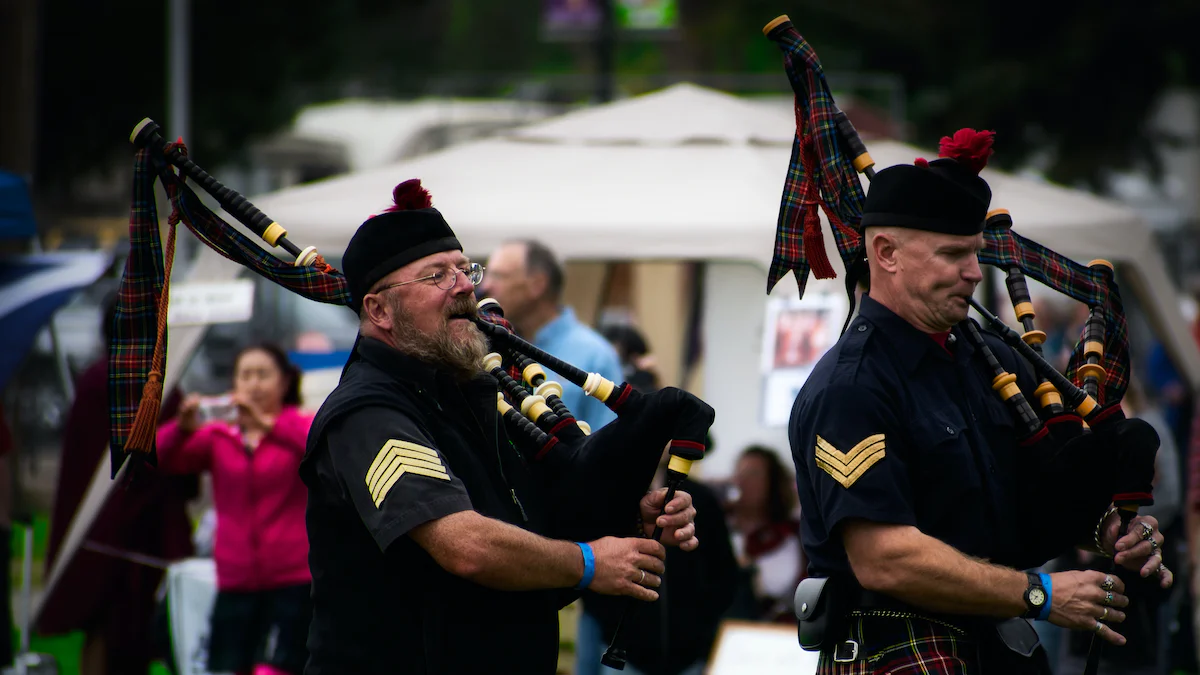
(261, 615)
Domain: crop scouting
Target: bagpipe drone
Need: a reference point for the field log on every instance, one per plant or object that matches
(1082, 475)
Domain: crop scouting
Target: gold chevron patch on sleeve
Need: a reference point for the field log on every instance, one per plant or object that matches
(397, 458)
(848, 467)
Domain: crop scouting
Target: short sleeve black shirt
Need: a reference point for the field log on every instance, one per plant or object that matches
(893, 427)
(396, 445)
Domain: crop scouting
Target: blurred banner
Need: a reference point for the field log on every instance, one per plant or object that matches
(321, 370)
(199, 303)
(569, 20)
(759, 648)
(796, 334)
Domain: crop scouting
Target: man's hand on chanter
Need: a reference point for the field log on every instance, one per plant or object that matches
(1088, 600)
(1140, 550)
(628, 566)
(678, 521)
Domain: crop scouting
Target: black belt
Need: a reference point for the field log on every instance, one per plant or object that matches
(875, 604)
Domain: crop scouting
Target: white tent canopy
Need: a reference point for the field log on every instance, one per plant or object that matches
(687, 173)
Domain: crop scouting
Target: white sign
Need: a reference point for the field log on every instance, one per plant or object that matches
(796, 334)
(747, 648)
(191, 592)
(193, 304)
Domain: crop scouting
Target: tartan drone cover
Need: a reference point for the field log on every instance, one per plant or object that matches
(819, 174)
(1006, 249)
(134, 327)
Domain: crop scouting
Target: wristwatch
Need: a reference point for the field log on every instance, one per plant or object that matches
(1035, 597)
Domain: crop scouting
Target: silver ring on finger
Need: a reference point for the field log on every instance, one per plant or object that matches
(1104, 615)
(643, 578)
(1153, 547)
(1107, 584)
(1147, 530)
(1108, 598)
(1162, 568)
(1099, 627)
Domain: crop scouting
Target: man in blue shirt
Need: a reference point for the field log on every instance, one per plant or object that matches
(527, 280)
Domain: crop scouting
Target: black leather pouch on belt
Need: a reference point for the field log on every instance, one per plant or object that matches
(1018, 635)
(821, 610)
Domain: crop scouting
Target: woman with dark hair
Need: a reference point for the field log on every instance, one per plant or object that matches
(767, 532)
(260, 618)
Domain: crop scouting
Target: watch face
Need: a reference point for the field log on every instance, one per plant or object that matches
(1037, 597)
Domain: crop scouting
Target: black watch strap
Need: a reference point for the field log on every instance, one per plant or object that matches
(1032, 611)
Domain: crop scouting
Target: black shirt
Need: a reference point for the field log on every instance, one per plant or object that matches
(398, 444)
(892, 427)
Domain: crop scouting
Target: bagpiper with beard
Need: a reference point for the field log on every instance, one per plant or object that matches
(425, 525)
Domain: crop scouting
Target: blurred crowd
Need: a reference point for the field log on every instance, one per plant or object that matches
(226, 486)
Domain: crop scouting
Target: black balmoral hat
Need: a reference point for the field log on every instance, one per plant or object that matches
(945, 195)
(409, 230)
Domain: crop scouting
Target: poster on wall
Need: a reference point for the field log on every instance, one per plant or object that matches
(796, 333)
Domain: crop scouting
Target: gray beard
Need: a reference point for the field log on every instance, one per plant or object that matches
(462, 358)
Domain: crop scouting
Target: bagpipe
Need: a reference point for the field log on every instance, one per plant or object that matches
(593, 478)
(599, 472)
(1079, 438)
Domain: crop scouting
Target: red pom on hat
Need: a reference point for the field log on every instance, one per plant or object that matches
(409, 196)
(969, 147)
(921, 162)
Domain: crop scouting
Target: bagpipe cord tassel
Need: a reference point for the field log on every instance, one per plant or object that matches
(145, 423)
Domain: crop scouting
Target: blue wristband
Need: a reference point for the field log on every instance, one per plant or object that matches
(1049, 597)
(589, 565)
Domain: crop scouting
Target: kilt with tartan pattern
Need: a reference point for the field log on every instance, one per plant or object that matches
(902, 643)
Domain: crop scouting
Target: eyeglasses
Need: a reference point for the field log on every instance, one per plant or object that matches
(446, 278)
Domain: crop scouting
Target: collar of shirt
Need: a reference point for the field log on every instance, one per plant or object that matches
(557, 328)
(912, 345)
(411, 369)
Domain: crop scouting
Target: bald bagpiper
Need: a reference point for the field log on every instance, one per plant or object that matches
(922, 494)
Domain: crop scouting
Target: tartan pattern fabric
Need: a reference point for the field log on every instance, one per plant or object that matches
(1006, 249)
(328, 287)
(134, 328)
(907, 644)
(827, 179)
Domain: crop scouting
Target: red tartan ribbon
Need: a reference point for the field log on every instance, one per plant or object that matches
(819, 173)
(814, 240)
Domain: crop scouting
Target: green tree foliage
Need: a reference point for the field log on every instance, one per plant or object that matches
(1070, 81)
(1074, 80)
(103, 67)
